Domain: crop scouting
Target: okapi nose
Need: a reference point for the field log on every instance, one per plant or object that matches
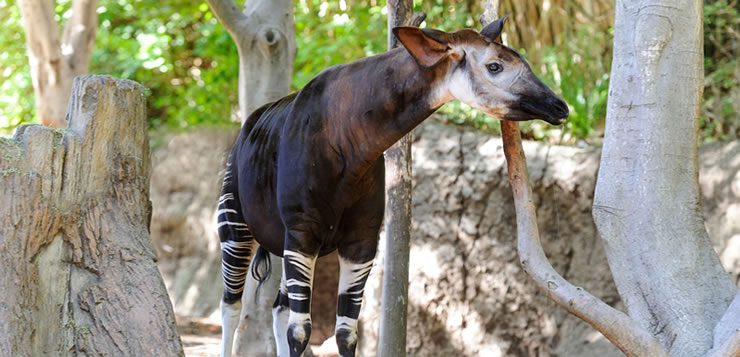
(560, 108)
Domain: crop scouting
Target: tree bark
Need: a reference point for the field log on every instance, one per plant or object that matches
(79, 274)
(56, 61)
(265, 39)
(392, 334)
(647, 206)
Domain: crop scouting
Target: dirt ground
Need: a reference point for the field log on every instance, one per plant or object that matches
(202, 338)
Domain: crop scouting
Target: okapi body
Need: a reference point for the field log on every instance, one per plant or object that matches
(306, 174)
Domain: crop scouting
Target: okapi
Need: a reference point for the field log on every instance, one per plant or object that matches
(306, 174)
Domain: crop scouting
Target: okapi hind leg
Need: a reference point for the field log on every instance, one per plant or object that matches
(352, 278)
(280, 314)
(236, 252)
(299, 270)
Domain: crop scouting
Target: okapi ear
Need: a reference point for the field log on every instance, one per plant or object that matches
(493, 30)
(427, 47)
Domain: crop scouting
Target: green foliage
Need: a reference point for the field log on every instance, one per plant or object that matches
(579, 72)
(178, 50)
(333, 32)
(720, 116)
(16, 91)
(329, 33)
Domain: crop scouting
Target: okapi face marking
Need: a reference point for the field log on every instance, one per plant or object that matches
(483, 73)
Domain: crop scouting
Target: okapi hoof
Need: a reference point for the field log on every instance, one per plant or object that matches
(298, 335)
(346, 342)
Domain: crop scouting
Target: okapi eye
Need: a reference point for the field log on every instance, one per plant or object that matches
(494, 67)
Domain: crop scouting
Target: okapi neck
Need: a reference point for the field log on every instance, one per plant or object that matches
(389, 95)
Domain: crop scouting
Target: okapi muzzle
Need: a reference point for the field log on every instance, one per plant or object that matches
(534, 100)
(480, 71)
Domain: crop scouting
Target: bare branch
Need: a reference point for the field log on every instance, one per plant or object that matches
(78, 39)
(229, 15)
(616, 326)
(418, 18)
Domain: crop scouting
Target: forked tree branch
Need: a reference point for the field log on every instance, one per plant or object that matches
(615, 325)
(228, 14)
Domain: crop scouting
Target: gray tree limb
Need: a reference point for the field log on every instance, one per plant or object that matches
(229, 15)
(612, 323)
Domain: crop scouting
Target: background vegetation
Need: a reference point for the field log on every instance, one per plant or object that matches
(178, 50)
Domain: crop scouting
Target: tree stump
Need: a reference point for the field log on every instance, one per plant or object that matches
(78, 275)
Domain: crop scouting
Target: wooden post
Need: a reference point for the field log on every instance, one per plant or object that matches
(392, 337)
(78, 275)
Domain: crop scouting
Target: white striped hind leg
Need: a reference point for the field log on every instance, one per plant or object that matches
(235, 258)
(280, 314)
(236, 252)
(352, 278)
(299, 269)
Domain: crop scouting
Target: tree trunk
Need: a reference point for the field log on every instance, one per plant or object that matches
(56, 62)
(264, 36)
(647, 205)
(79, 273)
(392, 334)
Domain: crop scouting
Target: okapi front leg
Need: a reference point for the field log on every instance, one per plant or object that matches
(299, 269)
(352, 278)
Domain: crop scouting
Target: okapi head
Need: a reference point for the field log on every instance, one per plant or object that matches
(478, 70)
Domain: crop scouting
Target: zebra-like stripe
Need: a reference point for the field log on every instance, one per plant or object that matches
(236, 240)
(299, 268)
(352, 278)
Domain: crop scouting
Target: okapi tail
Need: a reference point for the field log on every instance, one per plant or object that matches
(261, 267)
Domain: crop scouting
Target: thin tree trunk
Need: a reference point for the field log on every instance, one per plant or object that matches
(79, 274)
(647, 204)
(56, 61)
(392, 334)
(265, 38)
